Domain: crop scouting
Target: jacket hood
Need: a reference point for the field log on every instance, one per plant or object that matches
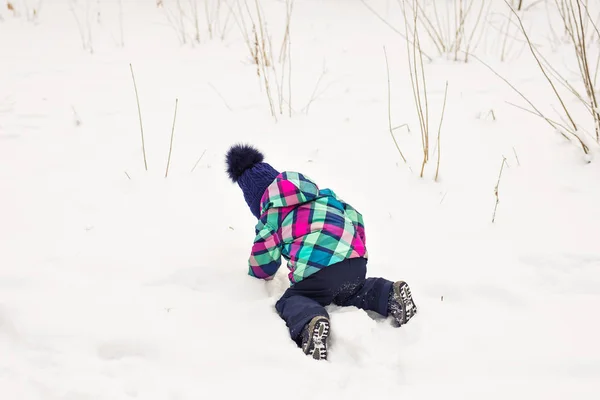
(289, 189)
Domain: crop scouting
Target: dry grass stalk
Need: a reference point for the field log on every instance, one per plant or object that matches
(437, 168)
(195, 19)
(419, 83)
(417, 75)
(140, 117)
(177, 20)
(285, 56)
(455, 37)
(573, 129)
(516, 157)
(209, 19)
(259, 44)
(389, 25)
(537, 59)
(558, 127)
(575, 26)
(172, 135)
(316, 93)
(264, 59)
(221, 96)
(387, 67)
(184, 17)
(496, 189)
(197, 162)
(121, 23)
(85, 30)
(213, 18)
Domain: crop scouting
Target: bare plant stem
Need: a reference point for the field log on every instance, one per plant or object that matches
(314, 94)
(181, 22)
(576, 26)
(473, 30)
(405, 35)
(197, 162)
(140, 116)
(496, 189)
(172, 135)
(221, 96)
(87, 45)
(437, 169)
(289, 57)
(561, 128)
(533, 4)
(503, 56)
(516, 157)
(242, 27)
(415, 67)
(557, 127)
(264, 60)
(285, 54)
(541, 66)
(208, 20)
(390, 105)
(196, 19)
(587, 76)
(121, 22)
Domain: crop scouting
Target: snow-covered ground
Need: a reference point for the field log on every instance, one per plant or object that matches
(119, 283)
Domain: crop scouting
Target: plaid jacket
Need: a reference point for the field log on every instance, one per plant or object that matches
(309, 227)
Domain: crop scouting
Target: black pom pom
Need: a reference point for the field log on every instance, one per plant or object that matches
(239, 158)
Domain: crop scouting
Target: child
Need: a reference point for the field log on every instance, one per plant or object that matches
(323, 240)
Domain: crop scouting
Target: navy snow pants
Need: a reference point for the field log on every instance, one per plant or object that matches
(343, 284)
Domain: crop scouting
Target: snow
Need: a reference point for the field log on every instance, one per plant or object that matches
(119, 283)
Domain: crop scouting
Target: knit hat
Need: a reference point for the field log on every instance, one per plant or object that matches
(245, 167)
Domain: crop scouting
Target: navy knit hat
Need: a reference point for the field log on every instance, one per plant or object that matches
(245, 167)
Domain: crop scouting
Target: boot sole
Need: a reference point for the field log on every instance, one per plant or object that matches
(403, 296)
(316, 346)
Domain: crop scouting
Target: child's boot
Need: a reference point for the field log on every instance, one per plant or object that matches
(314, 338)
(401, 305)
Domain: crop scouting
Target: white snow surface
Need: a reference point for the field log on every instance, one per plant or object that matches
(118, 283)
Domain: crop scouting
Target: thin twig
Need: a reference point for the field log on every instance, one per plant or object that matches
(391, 26)
(503, 54)
(265, 60)
(541, 66)
(496, 189)
(140, 116)
(437, 169)
(402, 126)
(202, 155)
(172, 134)
(314, 95)
(390, 106)
(516, 157)
(221, 96)
(538, 112)
(121, 22)
(555, 124)
(289, 59)
(533, 5)
(443, 197)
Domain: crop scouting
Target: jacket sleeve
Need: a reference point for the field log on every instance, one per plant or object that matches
(265, 257)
